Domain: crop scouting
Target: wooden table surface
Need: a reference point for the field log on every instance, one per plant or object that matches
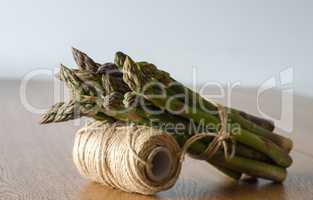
(36, 162)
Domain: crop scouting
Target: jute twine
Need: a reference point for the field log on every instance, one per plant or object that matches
(120, 156)
(219, 140)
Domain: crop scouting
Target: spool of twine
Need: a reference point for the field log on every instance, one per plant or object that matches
(131, 158)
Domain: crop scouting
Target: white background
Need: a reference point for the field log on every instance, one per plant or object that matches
(248, 41)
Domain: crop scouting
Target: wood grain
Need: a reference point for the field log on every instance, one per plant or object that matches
(36, 161)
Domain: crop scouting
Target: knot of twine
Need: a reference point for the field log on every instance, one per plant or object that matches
(219, 139)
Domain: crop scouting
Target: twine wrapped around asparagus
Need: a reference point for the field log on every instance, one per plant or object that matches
(140, 93)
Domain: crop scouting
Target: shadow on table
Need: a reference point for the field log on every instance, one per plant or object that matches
(249, 191)
(228, 190)
(94, 191)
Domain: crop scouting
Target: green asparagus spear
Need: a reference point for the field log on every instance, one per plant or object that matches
(137, 81)
(173, 87)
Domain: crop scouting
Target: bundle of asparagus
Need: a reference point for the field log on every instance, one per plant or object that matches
(140, 93)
